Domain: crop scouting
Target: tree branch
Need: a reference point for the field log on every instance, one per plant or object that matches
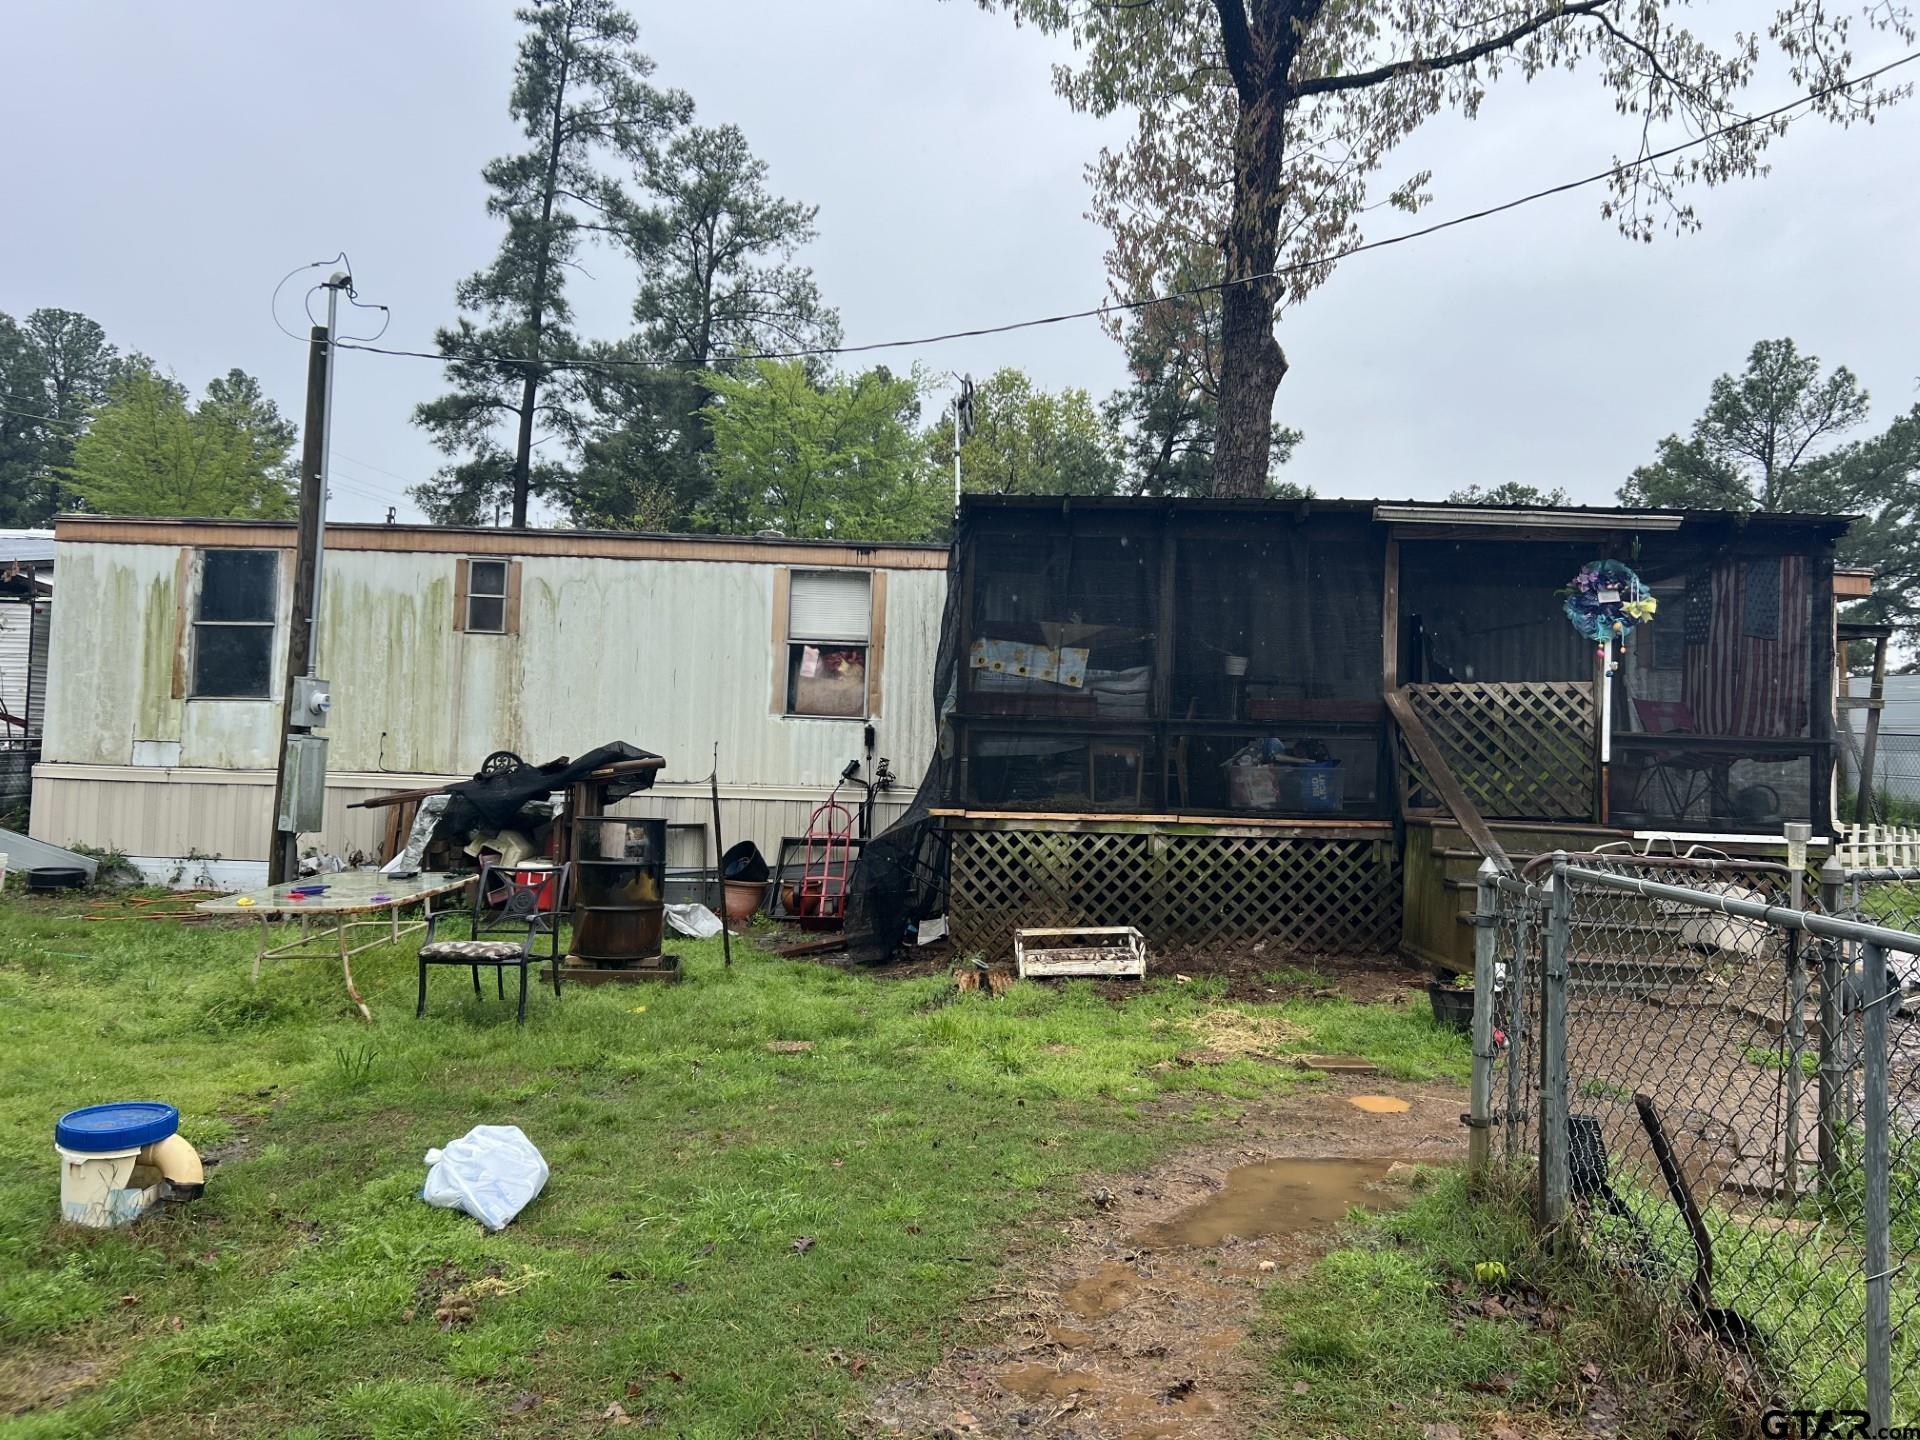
(1239, 45)
(1362, 79)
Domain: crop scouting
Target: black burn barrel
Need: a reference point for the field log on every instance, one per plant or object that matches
(620, 865)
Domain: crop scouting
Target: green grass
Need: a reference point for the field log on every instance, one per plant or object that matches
(1389, 1333)
(1796, 1273)
(658, 1270)
(1774, 1057)
(1896, 904)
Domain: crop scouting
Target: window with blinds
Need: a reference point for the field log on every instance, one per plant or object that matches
(829, 633)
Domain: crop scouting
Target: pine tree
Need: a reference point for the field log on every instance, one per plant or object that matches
(580, 95)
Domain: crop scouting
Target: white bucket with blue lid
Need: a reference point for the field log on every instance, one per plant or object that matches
(102, 1182)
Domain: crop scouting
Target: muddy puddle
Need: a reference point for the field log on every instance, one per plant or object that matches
(1275, 1198)
(1138, 1329)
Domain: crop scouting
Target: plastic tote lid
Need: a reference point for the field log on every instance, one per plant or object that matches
(124, 1126)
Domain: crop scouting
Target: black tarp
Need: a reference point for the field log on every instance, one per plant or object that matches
(901, 873)
(494, 802)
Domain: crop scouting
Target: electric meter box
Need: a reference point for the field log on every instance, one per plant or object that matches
(303, 794)
(312, 702)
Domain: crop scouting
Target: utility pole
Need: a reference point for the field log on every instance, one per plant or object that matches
(962, 429)
(303, 627)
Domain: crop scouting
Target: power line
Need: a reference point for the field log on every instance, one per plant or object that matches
(46, 419)
(1114, 307)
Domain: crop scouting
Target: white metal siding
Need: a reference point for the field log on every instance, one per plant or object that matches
(16, 631)
(673, 655)
(226, 815)
(37, 657)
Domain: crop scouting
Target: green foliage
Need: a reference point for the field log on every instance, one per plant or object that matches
(1029, 441)
(1510, 492)
(715, 249)
(1759, 442)
(1390, 1328)
(149, 452)
(1261, 127)
(1878, 479)
(580, 94)
(1169, 411)
(54, 368)
(1772, 438)
(813, 459)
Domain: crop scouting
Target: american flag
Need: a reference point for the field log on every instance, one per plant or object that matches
(1747, 652)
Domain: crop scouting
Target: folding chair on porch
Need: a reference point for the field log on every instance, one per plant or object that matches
(528, 904)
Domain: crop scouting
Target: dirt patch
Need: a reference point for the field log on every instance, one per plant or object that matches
(1251, 972)
(43, 1380)
(1136, 1329)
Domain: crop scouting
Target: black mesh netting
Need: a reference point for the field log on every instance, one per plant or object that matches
(901, 875)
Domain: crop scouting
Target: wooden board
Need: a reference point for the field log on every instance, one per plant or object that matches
(1519, 751)
(1102, 950)
(1441, 778)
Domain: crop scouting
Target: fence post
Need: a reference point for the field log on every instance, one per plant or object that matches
(1519, 992)
(1831, 1079)
(1798, 834)
(1874, 1003)
(1486, 916)
(1553, 1049)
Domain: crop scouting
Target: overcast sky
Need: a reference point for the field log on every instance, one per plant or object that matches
(165, 164)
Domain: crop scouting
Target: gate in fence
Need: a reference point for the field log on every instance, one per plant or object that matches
(1711, 1066)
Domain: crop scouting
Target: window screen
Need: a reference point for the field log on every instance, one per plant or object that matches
(829, 629)
(487, 596)
(233, 624)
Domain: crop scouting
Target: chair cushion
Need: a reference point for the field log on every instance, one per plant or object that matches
(471, 950)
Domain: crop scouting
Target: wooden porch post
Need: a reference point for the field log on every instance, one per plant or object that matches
(1820, 722)
(1864, 802)
(1390, 620)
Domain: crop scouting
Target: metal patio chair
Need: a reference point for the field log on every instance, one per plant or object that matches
(531, 909)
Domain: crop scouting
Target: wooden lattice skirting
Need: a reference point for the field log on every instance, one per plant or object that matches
(1518, 751)
(1334, 896)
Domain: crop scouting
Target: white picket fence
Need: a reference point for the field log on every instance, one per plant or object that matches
(1869, 847)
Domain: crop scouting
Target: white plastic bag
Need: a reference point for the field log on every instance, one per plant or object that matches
(491, 1172)
(694, 920)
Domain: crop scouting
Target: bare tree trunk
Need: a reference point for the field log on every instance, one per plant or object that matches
(523, 449)
(536, 326)
(1252, 364)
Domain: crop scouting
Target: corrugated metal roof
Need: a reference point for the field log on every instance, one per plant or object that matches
(1148, 504)
(771, 540)
(26, 546)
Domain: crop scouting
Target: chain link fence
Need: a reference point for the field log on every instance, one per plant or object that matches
(1711, 1067)
(1896, 770)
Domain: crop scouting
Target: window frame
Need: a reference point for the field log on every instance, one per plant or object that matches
(195, 624)
(508, 595)
(788, 643)
(474, 593)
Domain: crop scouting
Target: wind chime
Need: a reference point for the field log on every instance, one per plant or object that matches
(1606, 602)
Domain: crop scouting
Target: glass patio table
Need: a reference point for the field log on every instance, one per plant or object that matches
(353, 900)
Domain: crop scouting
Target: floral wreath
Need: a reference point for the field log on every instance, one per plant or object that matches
(1607, 599)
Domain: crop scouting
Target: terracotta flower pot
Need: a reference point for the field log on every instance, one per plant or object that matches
(743, 899)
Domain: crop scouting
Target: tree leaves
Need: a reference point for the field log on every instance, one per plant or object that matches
(1029, 441)
(580, 95)
(1771, 439)
(54, 367)
(148, 452)
(819, 459)
(1260, 124)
